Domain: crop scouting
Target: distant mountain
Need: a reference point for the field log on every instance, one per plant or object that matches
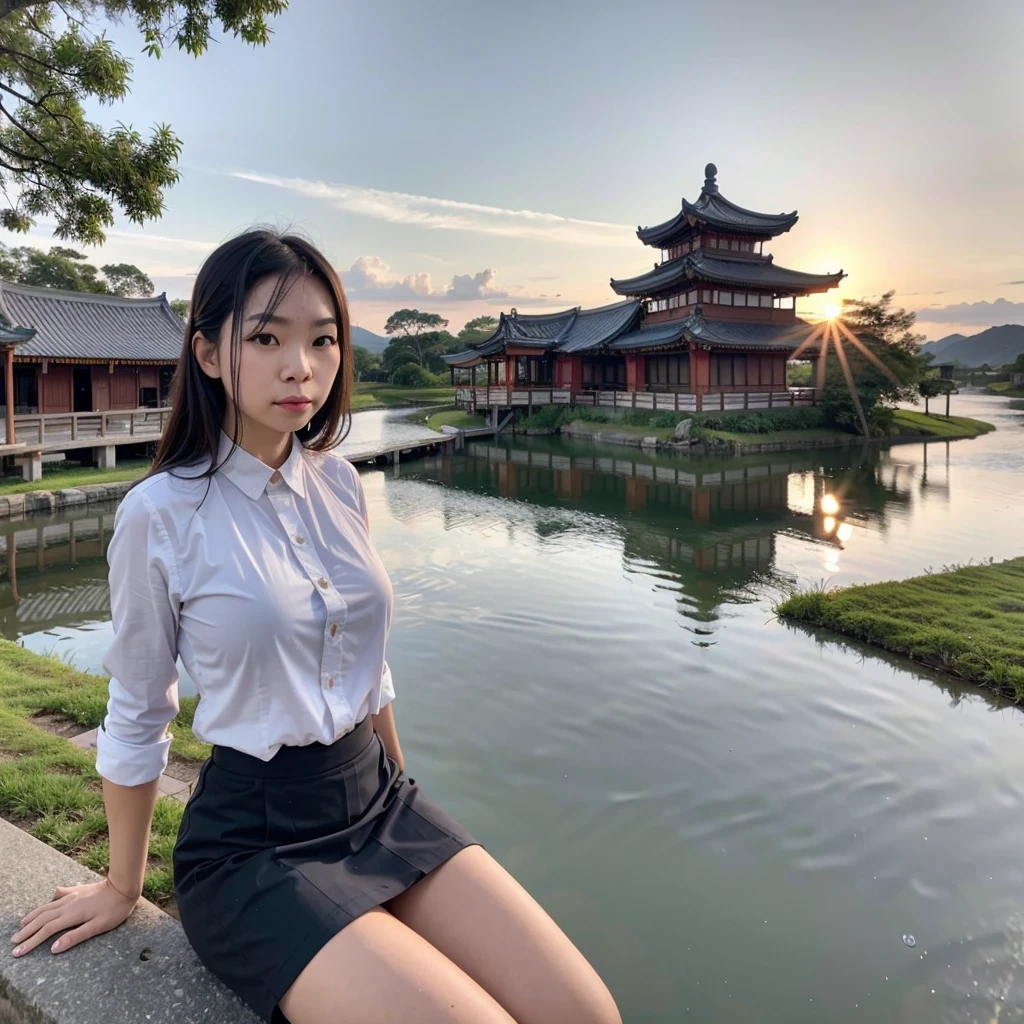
(367, 339)
(996, 346)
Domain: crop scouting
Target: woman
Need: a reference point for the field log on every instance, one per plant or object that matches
(312, 875)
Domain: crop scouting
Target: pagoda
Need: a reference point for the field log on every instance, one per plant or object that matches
(715, 314)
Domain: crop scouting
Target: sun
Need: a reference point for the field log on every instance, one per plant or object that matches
(833, 311)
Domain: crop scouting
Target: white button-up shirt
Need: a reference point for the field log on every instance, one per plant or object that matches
(267, 585)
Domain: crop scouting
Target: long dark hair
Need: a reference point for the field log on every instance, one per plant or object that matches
(197, 400)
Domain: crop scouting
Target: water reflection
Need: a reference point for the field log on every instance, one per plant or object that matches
(708, 527)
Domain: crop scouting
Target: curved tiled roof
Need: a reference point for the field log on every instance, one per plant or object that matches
(746, 273)
(720, 333)
(83, 325)
(570, 330)
(715, 211)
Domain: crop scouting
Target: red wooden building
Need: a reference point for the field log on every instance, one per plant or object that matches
(80, 352)
(715, 314)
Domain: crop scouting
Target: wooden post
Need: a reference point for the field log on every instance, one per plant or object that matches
(9, 384)
(947, 405)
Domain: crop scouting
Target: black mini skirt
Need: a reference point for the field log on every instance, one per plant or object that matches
(274, 858)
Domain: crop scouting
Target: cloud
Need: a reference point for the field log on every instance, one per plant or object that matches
(451, 214)
(371, 278)
(976, 314)
(1013, 282)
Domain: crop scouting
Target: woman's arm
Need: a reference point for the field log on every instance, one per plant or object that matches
(384, 723)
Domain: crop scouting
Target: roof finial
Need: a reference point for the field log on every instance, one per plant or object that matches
(710, 180)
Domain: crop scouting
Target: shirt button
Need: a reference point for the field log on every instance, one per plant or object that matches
(330, 684)
(334, 629)
(322, 583)
(275, 477)
(300, 539)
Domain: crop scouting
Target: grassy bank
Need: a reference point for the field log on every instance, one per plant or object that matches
(455, 418)
(66, 474)
(802, 425)
(368, 395)
(49, 787)
(968, 621)
(1005, 389)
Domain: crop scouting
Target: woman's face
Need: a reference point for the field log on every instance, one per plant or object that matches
(287, 365)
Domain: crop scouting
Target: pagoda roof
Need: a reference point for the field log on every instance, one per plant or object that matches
(85, 325)
(747, 273)
(571, 330)
(713, 210)
(698, 330)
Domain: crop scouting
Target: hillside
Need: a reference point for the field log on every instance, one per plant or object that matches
(995, 346)
(367, 339)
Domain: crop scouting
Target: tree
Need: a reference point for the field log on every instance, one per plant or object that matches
(363, 361)
(885, 338)
(478, 329)
(416, 332)
(126, 279)
(424, 349)
(180, 306)
(53, 161)
(67, 270)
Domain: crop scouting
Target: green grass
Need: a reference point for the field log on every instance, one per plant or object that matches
(51, 787)
(455, 418)
(1006, 389)
(775, 436)
(955, 426)
(966, 620)
(369, 395)
(66, 475)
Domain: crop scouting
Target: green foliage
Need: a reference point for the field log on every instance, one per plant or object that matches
(478, 329)
(412, 375)
(180, 306)
(126, 279)
(966, 620)
(364, 361)
(766, 422)
(54, 162)
(66, 269)
(886, 333)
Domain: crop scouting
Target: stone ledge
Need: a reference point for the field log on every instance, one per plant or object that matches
(143, 971)
(14, 505)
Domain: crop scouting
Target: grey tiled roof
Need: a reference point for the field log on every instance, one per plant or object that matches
(747, 273)
(571, 330)
(719, 333)
(715, 211)
(81, 325)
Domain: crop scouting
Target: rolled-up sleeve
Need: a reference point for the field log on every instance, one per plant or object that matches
(132, 744)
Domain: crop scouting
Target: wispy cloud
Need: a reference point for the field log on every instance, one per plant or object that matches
(976, 314)
(450, 214)
(371, 278)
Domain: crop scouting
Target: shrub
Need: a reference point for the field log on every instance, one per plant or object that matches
(412, 375)
(765, 422)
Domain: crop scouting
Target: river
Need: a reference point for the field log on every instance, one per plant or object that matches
(736, 819)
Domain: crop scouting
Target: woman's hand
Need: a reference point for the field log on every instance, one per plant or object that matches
(87, 909)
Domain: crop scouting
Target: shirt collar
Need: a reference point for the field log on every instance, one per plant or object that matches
(251, 476)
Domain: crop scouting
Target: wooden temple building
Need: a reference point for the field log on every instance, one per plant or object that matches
(79, 352)
(716, 315)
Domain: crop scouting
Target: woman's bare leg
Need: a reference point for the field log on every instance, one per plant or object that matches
(378, 971)
(475, 913)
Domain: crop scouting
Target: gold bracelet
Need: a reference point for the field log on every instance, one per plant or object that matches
(134, 899)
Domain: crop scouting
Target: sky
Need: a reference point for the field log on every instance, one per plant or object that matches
(466, 157)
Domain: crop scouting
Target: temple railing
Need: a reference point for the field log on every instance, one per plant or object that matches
(655, 401)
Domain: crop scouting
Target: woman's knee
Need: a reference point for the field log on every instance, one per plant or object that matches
(375, 971)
